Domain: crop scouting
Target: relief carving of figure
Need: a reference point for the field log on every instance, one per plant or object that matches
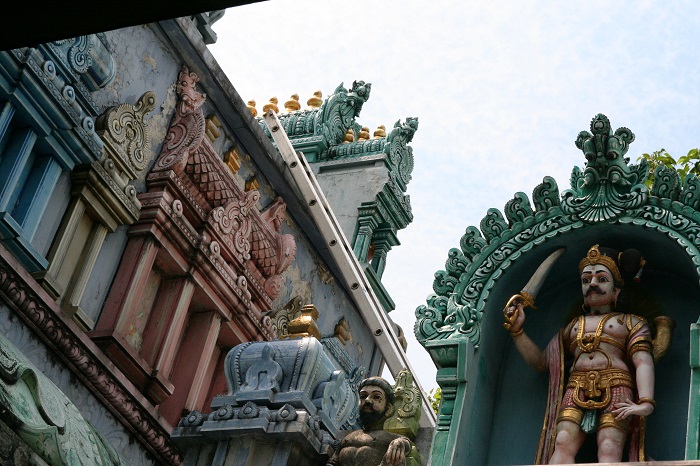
(610, 386)
(371, 445)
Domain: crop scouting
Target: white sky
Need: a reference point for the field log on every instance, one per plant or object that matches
(501, 89)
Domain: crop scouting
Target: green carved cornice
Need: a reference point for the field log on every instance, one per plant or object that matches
(399, 155)
(609, 191)
(608, 186)
(44, 418)
(315, 131)
(358, 148)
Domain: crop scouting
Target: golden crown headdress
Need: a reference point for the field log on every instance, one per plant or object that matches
(594, 257)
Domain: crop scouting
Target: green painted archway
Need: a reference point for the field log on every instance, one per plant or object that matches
(492, 405)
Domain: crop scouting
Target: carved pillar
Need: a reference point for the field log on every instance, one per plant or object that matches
(383, 240)
(449, 357)
(692, 444)
(102, 199)
(363, 238)
(128, 288)
(196, 358)
(27, 180)
(166, 324)
(14, 165)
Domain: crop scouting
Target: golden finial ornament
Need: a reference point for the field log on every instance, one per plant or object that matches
(349, 136)
(292, 105)
(316, 101)
(233, 160)
(305, 325)
(251, 108)
(252, 184)
(364, 134)
(380, 132)
(212, 128)
(272, 105)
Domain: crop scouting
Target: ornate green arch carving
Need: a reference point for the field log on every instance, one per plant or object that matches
(609, 190)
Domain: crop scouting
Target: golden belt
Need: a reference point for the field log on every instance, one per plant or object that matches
(597, 383)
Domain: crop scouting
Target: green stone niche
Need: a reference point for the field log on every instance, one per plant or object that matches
(493, 404)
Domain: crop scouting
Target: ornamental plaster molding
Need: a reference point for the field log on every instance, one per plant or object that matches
(296, 371)
(281, 318)
(54, 89)
(461, 290)
(124, 131)
(232, 215)
(25, 297)
(187, 128)
(47, 421)
(322, 128)
(407, 406)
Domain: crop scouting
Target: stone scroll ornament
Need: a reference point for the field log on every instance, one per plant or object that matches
(609, 190)
(124, 127)
(187, 128)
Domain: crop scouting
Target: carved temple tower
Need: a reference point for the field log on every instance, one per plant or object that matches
(157, 267)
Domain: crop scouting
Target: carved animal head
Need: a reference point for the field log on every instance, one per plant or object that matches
(190, 98)
(358, 95)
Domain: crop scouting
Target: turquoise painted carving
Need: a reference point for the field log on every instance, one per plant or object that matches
(609, 190)
(608, 186)
(315, 131)
(45, 418)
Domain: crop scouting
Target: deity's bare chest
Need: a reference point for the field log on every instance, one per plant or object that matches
(606, 332)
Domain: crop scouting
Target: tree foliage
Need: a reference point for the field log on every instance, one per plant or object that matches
(434, 397)
(687, 164)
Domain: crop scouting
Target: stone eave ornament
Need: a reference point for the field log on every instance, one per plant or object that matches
(608, 185)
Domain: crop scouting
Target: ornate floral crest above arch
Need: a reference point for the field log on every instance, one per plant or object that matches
(609, 190)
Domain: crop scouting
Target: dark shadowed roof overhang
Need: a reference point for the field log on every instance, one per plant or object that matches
(29, 24)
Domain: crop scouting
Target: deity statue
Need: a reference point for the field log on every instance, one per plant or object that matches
(372, 445)
(610, 386)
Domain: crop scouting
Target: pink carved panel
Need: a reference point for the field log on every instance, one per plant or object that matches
(213, 259)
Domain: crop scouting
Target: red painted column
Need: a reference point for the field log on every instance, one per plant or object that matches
(167, 321)
(197, 349)
(129, 284)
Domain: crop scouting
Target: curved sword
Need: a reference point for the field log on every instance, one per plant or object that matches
(533, 286)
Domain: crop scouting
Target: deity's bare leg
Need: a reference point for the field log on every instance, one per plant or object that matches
(569, 439)
(611, 442)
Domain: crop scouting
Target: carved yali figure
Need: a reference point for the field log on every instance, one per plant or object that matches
(371, 445)
(610, 386)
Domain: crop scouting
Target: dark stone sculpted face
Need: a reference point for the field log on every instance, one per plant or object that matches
(373, 405)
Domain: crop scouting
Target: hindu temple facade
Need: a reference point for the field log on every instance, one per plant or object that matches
(148, 227)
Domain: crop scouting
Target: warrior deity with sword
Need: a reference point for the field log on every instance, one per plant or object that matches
(610, 385)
